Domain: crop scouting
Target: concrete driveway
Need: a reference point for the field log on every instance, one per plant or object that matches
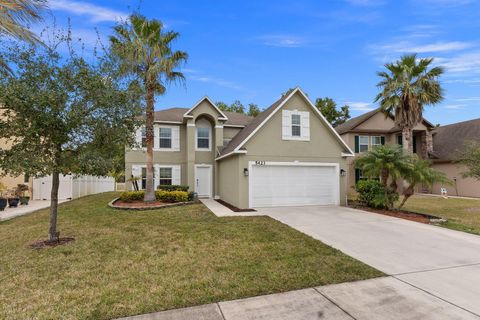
(440, 262)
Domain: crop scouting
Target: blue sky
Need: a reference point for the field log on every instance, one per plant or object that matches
(254, 50)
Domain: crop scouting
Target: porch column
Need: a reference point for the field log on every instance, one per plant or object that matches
(191, 155)
(218, 144)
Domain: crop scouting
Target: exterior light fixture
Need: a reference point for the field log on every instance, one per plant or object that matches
(245, 172)
(343, 173)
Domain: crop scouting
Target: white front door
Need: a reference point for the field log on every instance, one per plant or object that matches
(203, 180)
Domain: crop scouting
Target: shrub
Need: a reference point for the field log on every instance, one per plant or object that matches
(171, 196)
(173, 188)
(373, 194)
(130, 196)
(192, 195)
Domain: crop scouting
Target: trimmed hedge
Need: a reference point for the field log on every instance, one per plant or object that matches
(173, 187)
(160, 195)
(373, 194)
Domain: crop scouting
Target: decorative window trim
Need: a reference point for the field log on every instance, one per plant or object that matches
(202, 126)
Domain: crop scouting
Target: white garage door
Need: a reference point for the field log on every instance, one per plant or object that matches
(293, 185)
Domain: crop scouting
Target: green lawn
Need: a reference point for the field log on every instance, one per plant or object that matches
(462, 214)
(125, 263)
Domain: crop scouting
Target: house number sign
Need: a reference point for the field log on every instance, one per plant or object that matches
(260, 163)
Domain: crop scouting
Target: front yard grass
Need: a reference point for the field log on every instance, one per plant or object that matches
(125, 263)
(461, 214)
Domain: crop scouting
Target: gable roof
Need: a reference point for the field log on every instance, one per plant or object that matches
(246, 133)
(188, 115)
(449, 141)
(352, 123)
(175, 115)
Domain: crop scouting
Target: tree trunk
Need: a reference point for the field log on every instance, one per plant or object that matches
(149, 188)
(384, 177)
(407, 193)
(52, 230)
(407, 139)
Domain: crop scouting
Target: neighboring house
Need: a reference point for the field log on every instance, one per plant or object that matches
(11, 182)
(287, 155)
(441, 145)
(448, 144)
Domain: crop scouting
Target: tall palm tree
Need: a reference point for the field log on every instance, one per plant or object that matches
(144, 49)
(386, 162)
(421, 172)
(14, 14)
(406, 87)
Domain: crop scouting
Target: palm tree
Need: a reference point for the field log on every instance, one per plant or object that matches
(144, 49)
(407, 86)
(14, 14)
(385, 161)
(420, 172)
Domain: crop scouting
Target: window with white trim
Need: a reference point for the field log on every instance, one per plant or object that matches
(376, 141)
(166, 176)
(144, 137)
(363, 143)
(203, 138)
(165, 138)
(296, 125)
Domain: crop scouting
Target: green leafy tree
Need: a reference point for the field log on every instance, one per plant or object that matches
(14, 15)
(253, 110)
(145, 51)
(237, 107)
(328, 107)
(471, 159)
(63, 115)
(420, 172)
(286, 93)
(222, 106)
(406, 87)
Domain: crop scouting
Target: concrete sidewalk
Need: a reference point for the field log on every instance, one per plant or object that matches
(375, 299)
(33, 206)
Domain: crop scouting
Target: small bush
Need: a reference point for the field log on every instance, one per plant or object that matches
(130, 196)
(192, 196)
(173, 188)
(171, 196)
(373, 194)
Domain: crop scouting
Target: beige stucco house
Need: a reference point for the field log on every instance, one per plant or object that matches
(287, 155)
(439, 144)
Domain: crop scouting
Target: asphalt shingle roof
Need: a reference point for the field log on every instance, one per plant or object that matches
(176, 115)
(449, 141)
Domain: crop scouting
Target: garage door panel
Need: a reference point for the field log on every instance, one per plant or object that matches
(287, 185)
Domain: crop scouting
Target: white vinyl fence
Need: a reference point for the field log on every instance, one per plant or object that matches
(72, 187)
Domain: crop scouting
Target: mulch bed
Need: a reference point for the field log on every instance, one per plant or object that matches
(233, 208)
(140, 205)
(402, 214)
(46, 243)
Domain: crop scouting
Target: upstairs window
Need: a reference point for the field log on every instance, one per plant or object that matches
(363, 143)
(203, 138)
(165, 138)
(296, 125)
(144, 137)
(376, 141)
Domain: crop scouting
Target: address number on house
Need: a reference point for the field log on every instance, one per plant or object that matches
(260, 163)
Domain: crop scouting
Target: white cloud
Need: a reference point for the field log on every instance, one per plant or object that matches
(216, 81)
(468, 99)
(360, 106)
(409, 47)
(80, 8)
(454, 106)
(284, 41)
(464, 63)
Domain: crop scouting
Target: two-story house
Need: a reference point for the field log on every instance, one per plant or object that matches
(441, 145)
(287, 155)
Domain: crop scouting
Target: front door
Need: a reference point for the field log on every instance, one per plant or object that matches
(203, 180)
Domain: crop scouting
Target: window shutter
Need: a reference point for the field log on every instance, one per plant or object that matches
(156, 137)
(382, 139)
(357, 175)
(400, 140)
(176, 175)
(286, 124)
(305, 122)
(414, 144)
(176, 138)
(357, 144)
(138, 137)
